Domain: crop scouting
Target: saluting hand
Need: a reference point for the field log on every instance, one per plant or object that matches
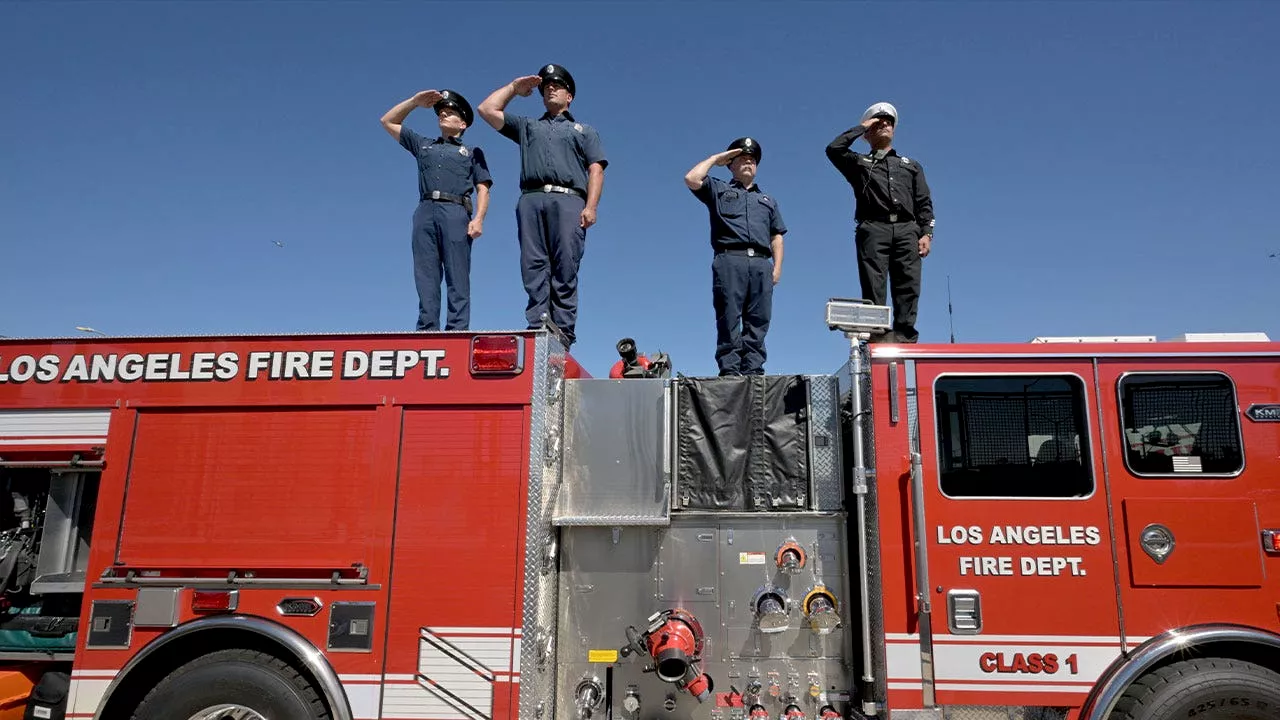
(727, 156)
(428, 98)
(925, 242)
(524, 85)
(587, 218)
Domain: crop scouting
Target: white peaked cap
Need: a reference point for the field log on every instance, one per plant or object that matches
(879, 109)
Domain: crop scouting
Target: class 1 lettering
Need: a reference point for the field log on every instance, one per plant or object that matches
(1002, 663)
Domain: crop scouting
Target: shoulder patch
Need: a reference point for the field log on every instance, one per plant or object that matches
(463, 151)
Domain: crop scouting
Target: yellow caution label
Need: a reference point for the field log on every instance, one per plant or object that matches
(602, 656)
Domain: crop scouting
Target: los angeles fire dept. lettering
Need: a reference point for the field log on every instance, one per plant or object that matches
(1008, 565)
(224, 366)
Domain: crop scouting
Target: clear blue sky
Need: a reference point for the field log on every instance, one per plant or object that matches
(1098, 168)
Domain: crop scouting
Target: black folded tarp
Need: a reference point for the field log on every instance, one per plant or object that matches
(742, 442)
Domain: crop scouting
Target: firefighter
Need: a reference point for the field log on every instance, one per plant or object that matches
(562, 164)
(894, 216)
(746, 239)
(443, 225)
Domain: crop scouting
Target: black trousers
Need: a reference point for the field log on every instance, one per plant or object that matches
(892, 250)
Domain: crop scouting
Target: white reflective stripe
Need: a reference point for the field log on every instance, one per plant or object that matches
(85, 694)
(903, 661)
(94, 673)
(999, 664)
(474, 631)
(52, 440)
(1014, 687)
(360, 678)
(905, 685)
(70, 425)
(363, 698)
(983, 638)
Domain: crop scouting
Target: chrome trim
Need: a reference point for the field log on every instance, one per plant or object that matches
(1120, 423)
(893, 392)
(1117, 678)
(1088, 433)
(298, 646)
(1111, 512)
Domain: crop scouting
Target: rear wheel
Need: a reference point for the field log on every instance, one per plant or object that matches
(1203, 689)
(233, 685)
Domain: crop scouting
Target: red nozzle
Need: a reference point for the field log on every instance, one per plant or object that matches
(674, 645)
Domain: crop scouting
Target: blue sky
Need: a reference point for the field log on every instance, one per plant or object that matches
(1097, 168)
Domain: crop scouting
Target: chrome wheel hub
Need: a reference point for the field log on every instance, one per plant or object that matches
(229, 711)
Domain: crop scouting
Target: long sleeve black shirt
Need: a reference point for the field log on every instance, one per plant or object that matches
(884, 185)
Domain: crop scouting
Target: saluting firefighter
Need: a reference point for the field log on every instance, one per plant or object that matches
(746, 237)
(562, 166)
(443, 226)
(894, 216)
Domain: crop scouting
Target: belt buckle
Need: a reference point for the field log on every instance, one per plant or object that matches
(751, 252)
(548, 188)
(893, 217)
(435, 194)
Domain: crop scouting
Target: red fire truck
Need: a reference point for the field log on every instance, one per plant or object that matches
(469, 525)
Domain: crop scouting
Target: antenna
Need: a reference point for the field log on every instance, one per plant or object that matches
(950, 316)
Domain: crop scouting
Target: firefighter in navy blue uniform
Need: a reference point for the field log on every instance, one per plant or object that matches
(443, 226)
(894, 217)
(746, 237)
(562, 166)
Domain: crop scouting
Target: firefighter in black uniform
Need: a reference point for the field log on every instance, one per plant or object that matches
(894, 216)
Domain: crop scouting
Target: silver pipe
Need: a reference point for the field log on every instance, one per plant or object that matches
(859, 376)
(925, 611)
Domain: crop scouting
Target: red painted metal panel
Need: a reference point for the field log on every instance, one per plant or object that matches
(1151, 610)
(406, 368)
(457, 560)
(1216, 543)
(1030, 559)
(265, 489)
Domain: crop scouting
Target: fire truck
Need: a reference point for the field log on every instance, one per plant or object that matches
(468, 525)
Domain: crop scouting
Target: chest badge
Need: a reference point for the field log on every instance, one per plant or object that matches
(463, 152)
(577, 126)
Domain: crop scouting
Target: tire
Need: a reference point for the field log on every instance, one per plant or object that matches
(246, 678)
(1203, 689)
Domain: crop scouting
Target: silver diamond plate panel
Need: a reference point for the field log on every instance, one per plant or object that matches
(616, 468)
(1002, 712)
(537, 644)
(913, 407)
(825, 461)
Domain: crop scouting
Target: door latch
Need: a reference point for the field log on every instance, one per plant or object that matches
(964, 612)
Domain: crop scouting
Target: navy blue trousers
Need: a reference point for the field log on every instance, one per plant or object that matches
(742, 291)
(551, 247)
(441, 247)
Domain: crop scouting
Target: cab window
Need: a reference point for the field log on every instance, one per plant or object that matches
(1014, 436)
(1180, 424)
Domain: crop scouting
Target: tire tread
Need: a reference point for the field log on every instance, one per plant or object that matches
(251, 657)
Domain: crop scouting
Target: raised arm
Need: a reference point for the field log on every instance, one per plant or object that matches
(838, 149)
(693, 179)
(393, 119)
(492, 107)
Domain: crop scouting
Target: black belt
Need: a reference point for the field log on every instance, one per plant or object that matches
(462, 200)
(749, 252)
(888, 218)
(552, 189)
